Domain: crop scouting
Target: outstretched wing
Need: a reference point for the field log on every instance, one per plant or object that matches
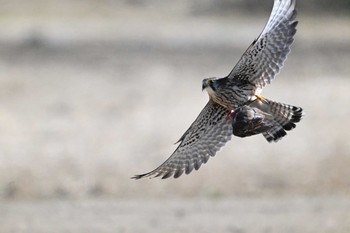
(207, 134)
(266, 55)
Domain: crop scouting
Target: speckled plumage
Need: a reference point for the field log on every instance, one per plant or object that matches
(235, 106)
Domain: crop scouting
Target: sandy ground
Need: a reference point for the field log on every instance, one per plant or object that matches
(237, 215)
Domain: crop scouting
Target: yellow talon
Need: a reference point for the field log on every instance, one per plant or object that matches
(261, 98)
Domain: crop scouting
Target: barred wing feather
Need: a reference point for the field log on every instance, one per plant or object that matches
(207, 134)
(266, 55)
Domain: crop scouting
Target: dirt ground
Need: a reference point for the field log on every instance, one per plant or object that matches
(92, 94)
(237, 215)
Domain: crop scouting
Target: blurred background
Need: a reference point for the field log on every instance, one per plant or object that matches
(94, 92)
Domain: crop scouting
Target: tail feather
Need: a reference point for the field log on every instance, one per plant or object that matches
(285, 117)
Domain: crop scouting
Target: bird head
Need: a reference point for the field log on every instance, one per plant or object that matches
(208, 84)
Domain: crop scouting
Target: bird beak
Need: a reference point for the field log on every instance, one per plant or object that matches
(204, 85)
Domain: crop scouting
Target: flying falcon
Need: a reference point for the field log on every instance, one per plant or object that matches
(235, 105)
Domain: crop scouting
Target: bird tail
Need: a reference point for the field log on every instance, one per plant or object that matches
(284, 118)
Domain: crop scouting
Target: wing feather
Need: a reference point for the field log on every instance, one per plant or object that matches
(267, 54)
(207, 134)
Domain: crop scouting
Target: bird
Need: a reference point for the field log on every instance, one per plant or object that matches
(236, 106)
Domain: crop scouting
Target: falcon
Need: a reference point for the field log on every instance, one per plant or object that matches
(235, 106)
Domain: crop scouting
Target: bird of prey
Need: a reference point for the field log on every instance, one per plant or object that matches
(235, 106)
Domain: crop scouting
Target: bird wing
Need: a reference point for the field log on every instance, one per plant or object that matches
(207, 134)
(266, 55)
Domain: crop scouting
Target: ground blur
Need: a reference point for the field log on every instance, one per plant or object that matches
(93, 93)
